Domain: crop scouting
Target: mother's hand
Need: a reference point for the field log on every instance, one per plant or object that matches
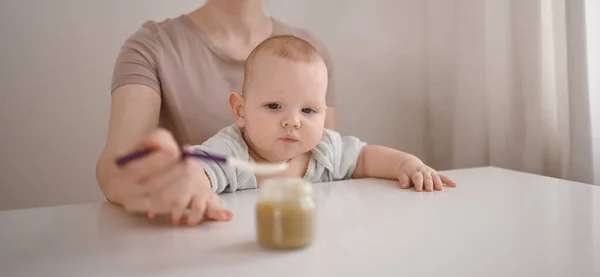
(162, 182)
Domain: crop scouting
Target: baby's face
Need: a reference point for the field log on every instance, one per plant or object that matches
(284, 107)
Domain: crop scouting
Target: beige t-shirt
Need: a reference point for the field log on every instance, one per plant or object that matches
(193, 78)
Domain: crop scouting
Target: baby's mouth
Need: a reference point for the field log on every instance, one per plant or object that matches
(289, 139)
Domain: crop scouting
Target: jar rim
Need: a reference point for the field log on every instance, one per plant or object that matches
(285, 188)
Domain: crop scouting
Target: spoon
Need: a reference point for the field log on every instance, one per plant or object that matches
(256, 168)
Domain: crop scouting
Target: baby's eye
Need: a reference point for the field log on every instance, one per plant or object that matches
(308, 110)
(273, 106)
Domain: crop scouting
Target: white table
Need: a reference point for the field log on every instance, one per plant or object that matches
(497, 223)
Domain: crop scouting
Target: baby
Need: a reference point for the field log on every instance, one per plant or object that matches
(280, 117)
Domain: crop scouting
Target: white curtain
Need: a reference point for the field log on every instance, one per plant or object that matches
(506, 86)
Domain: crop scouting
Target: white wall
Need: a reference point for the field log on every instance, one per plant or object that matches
(57, 58)
(378, 49)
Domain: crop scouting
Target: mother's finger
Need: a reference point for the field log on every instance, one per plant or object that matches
(179, 207)
(197, 210)
(216, 212)
(181, 200)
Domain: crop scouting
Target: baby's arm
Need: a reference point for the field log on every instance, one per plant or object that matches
(352, 158)
(380, 162)
(387, 163)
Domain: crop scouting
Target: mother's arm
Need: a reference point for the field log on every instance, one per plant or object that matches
(133, 116)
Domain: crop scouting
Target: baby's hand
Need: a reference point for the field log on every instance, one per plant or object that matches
(414, 172)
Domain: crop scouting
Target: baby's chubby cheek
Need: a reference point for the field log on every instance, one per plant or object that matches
(312, 140)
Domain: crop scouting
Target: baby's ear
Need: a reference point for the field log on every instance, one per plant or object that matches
(237, 107)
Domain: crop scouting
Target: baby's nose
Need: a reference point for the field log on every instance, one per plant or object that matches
(292, 121)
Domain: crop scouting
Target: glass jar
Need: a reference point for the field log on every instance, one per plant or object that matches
(285, 214)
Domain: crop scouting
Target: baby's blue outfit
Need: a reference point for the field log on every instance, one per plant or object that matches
(334, 158)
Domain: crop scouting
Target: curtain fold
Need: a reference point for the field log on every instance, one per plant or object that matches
(503, 87)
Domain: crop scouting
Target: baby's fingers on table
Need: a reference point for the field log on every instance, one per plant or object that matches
(427, 181)
(437, 182)
(417, 179)
(404, 180)
(447, 181)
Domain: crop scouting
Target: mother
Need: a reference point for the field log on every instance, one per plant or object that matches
(171, 84)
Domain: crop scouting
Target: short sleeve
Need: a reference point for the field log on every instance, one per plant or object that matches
(137, 59)
(222, 177)
(332, 95)
(339, 154)
(226, 178)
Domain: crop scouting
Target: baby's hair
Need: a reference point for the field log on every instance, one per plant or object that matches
(283, 46)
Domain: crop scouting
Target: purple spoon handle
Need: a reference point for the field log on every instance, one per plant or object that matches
(204, 156)
(133, 156)
(139, 154)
